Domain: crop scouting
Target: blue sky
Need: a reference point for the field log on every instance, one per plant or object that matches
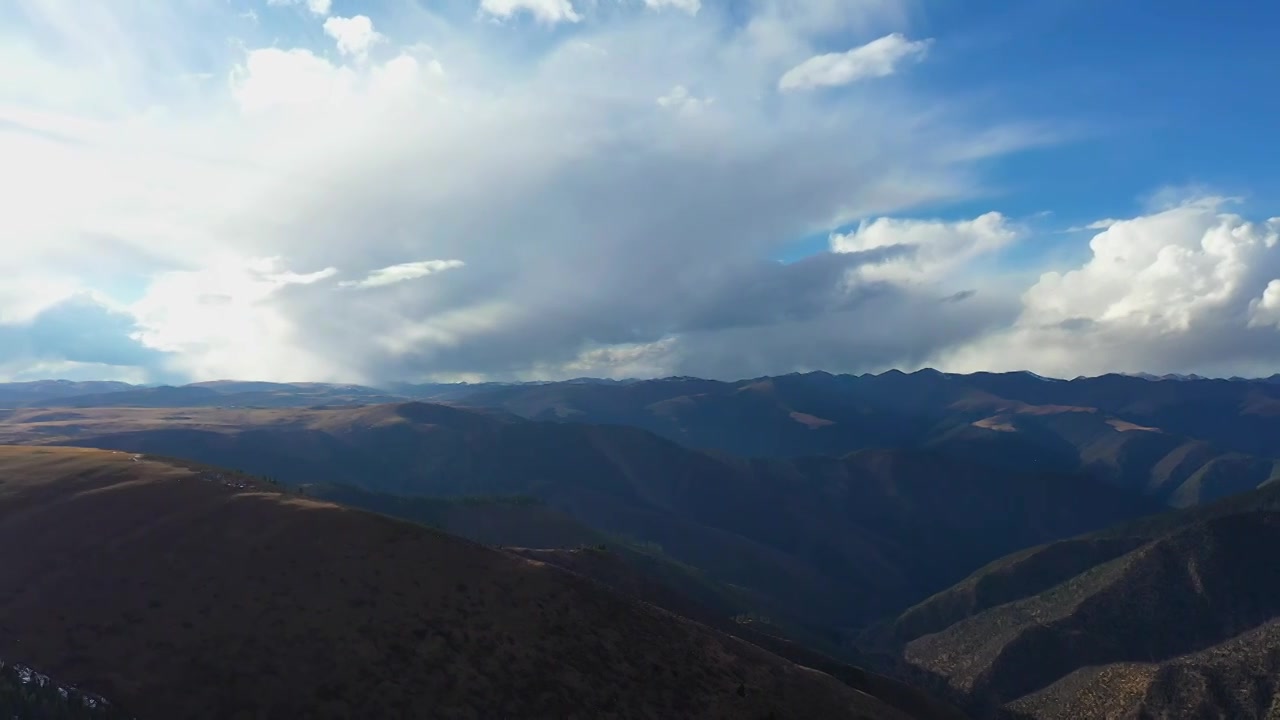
(471, 189)
(1162, 93)
(1143, 96)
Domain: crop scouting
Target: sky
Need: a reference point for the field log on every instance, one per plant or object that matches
(464, 190)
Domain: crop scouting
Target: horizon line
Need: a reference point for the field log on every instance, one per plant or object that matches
(390, 384)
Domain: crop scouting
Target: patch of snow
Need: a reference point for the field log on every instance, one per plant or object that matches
(1041, 378)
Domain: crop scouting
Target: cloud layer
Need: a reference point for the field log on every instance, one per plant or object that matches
(1191, 286)
(544, 188)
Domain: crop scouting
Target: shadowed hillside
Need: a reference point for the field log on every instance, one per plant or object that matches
(26, 693)
(1182, 441)
(226, 393)
(637, 571)
(1172, 616)
(199, 593)
(821, 548)
(839, 541)
(44, 392)
(619, 571)
(1239, 678)
(517, 521)
(524, 522)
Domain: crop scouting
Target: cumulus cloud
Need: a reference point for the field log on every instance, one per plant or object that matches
(180, 206)
(402, 272)
(1266, 309)
(878, 58)
(547, 11)
(937, 247)
(354, 35)
(1191, 287)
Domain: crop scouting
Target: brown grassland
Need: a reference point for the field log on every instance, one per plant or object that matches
(186, 592)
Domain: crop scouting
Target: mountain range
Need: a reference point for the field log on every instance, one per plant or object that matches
(986, 545)
(1176, 615)
(1181, 441)
(240, 600)
(839, 541)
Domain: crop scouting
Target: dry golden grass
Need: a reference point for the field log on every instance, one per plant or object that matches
(998, 423)
(1186, 625)
(44, 426)
(811, 421)
(1125, 426)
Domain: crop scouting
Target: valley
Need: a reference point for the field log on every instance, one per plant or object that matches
(242, 600)
(984, 546)
(807, 536)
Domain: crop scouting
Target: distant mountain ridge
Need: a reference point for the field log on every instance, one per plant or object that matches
(1183, 442)
(95, 393)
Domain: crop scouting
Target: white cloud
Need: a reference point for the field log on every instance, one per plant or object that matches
(1191, 287)
(1095, 225)
(318, 7)
(23, 297)
(354, 35)
(690, 6)
(878, 58)
(547, 11)
(1265, 310)
(621, 361)
(219, 321)
(786, 30)
(599, 227)
(605, 227)
(29, 370)
(936, 248)
(679, 98)
(402, 272)
(272, 78)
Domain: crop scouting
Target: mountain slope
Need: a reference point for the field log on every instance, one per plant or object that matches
(1181, 441)
(514, 521)
(200, 593)
(528, 528)
(1171, 616)
(213, 394)
(841, 541)
(522, 522)
(620, 573)
(19, 394)
(1239, 678)
(1174, 469)
(26, 694)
